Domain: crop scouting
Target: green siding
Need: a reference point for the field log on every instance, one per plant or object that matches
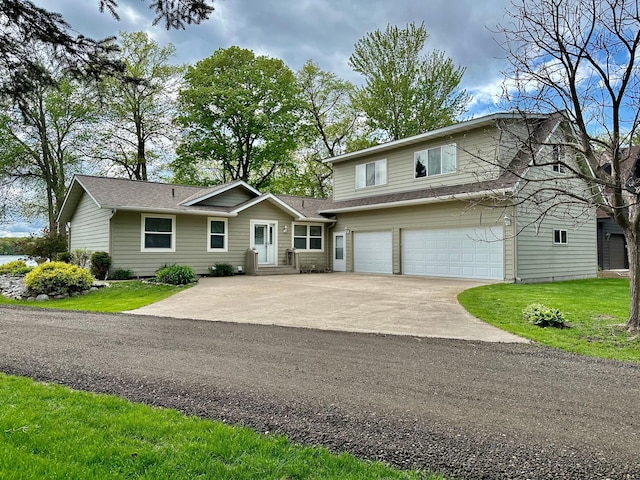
(191, 241)
(90, 226)
(441, 215)
(230, 198)
(472, 147)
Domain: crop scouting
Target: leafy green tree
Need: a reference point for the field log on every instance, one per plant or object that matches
(138, 110)
(330, 121)
(45, 246)
(406, 92)
(43, 137)
(241, 114)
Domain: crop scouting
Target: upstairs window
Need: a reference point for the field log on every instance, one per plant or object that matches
(435, 161)
(371, 174)
(158, 233)
(558, 155)
(307, 237)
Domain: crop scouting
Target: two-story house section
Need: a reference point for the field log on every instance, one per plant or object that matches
(450, 203)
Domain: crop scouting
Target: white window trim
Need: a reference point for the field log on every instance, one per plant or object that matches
(308, 237)
(376, 163)
(226, 234)
(559, 154)
(559, 169)
(566, 236)
(426, 155)
(143, 232)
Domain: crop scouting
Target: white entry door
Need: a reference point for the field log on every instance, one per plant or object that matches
(264, 242)
(339, 252)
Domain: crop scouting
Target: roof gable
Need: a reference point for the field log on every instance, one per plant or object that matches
(222, 195)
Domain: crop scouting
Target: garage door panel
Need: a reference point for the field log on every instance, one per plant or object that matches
(372, 252)
(454, 252)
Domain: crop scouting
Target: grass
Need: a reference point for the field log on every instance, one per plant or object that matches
(120, 296)
(48, 431)
(596, 309)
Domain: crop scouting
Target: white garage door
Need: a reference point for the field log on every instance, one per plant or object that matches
(454, 252)
(372, 252)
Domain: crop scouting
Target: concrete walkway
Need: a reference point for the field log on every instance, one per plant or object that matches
(395, 305)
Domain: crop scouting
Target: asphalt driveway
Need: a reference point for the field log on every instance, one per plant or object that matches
(395, 305)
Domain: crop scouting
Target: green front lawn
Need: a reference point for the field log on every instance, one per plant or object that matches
(120, 296)
(596, 309)
(47, 431)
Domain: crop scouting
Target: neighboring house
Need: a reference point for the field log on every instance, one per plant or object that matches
(426, 205)
(144, 225)
(612, 246)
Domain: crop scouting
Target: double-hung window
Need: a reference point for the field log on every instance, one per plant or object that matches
(307, 237)
(371, 174)
(558, 154)
(435, 161)
(217, 234)
(158, 233)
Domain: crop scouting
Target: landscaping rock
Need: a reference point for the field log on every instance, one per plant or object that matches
(13, 287)
(43, 297)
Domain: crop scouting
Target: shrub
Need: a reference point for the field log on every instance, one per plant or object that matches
(222, 270)
(80, 257)
(176, 275)
(100, 264)
(58, 278)
(15, 268)
(544, 316)
(122, 274)
(65, 257)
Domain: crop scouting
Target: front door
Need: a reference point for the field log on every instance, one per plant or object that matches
(339, 252)
(264, 242)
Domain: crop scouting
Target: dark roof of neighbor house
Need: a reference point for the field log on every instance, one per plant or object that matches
(126, 194)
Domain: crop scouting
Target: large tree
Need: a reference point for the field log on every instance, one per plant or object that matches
(330, 123)
(43, 140)
(138, 110)
(579, 57)
(406, 91)
(240, 113)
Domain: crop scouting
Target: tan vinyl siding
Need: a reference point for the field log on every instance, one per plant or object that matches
(230, 198)
(191, 241)
(90, 226)
(442, 215)
(473, 149)
(539, 259)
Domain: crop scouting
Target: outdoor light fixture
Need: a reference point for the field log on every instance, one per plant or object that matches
(284, 229)
(507, 220)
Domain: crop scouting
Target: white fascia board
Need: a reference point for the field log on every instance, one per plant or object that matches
(226, 188)
(269, 196)
(421, 201)
(174, 211)
(451, 129)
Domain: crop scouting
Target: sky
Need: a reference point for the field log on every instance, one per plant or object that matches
(322, 30)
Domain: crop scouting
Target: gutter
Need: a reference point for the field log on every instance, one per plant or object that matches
(172, 211)
(420, 201)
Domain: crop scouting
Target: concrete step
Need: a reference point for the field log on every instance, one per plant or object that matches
(277, 270)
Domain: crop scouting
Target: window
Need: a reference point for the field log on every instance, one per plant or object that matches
(307, 237)
(560, 237)
(217, 234)
(371, 174)
(158, 233)
(435, 161)
(558, 155)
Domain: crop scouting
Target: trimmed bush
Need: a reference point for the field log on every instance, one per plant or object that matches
(58, 278)
(122, 274)
(15, 268)
(222, 270)
(176, 275)
(100, 264)
(66, 257)
(544, 316)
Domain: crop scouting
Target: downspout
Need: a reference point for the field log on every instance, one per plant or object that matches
(113, 212)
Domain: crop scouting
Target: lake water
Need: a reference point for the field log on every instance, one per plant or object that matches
(10, 258)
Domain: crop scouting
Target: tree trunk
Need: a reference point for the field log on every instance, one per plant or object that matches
(633, 322)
